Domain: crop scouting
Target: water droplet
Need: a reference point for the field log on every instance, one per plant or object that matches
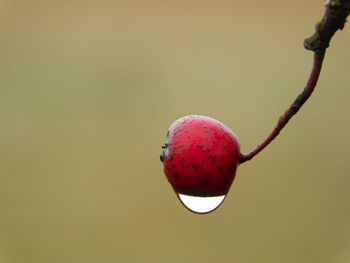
(201, 205)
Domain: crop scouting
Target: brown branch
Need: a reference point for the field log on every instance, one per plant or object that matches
(333, 19)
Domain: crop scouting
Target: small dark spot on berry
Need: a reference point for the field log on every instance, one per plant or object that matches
(196, 166)
(231, 166)
(175, 175)
(212, 158)
(161, 157)
(202, 180)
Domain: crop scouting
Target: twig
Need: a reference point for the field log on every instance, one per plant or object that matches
(333, 19)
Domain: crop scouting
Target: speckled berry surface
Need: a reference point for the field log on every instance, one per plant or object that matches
(200, 156)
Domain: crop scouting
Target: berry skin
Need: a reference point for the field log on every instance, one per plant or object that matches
(200, 156)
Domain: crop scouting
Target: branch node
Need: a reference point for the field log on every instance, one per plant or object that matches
(334, 19)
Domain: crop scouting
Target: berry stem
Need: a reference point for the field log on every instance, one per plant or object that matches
(293, 108)
(333, 19)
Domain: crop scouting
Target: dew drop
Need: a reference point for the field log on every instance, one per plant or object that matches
(201, 205)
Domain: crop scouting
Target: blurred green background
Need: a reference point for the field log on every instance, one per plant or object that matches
(87, 92)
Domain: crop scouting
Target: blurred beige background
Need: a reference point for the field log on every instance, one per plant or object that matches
(87, 92)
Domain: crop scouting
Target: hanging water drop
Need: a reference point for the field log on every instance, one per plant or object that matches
(201, 205)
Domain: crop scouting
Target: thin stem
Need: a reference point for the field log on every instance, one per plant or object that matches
(293, 108)
(333, 20)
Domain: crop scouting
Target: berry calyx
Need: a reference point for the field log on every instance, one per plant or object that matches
(200, 156)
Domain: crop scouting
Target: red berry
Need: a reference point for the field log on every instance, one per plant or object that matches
(200, 156)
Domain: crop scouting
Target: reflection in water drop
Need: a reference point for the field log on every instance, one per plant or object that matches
(201, 205)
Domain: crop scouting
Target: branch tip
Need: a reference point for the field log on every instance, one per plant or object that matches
(334, 19)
